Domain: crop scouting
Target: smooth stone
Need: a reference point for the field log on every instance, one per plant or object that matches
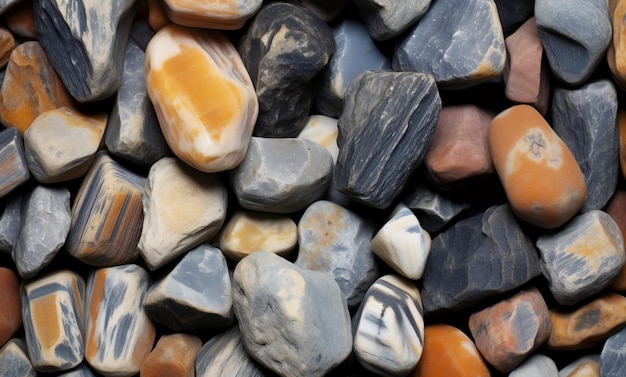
(585, 119)
(10, 302)
(613, 355)
(182, 208)
(581, 258)
(356, 53)
(118, 334)
(107, 215)
(507, 332)
(85, 42)
(449, 352)
(402, 243)
(389, 327)
(536, 366)
(83, 370)
(7, 45)
(492, 255)
(387, 125)
(540, 175)
(156, 15)
(386, 19)
(573, 55)
(10, 218)
(284, 49)
(513, 13)
(461, 44)
(322, 130)
(195, 295)
(616, 52)
(208, 121)
(53, 320)
(173, 355)
(13, 358)
(45, 223)
(282, 175)
(21, 21)
(248, 232)
(61, 144)
(293, 321)
(586, 366)
(336, 241)
(616, 208)
(132, 130)
(12, 161)
(222, 15)
(459, 151)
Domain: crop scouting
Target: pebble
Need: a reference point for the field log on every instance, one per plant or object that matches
(7, 45)
(616, 208)
(12, 161)
(386, 19)
(586, 366)
(173, 355)
(10, 301)
(156, 15)
(223, 15)
(10, 217)
(81, 370)
(536, 366)
(613, 355)
(322, 130)
(615, 52)
(20, 20)
(14, 358)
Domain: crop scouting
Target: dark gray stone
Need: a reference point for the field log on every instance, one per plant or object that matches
(386, 19)
(12, 160)
(14, 359)
(613, 355)
(385, 130)
(585, 118)
(514, 13)
(10, 217)
(285, 47)
(140, 31)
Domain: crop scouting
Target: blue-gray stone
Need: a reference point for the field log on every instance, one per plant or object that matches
(385, 130)
(459, 42)
(83, 370)
(477, 258)
(284, 49)
(356, 53)
(613, 355)
(585, 118)
(513, 13)
(12, 160)
(10, 217)
(575, 35)
(14, 360)
(386, 19)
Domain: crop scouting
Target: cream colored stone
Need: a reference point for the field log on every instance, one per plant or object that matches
(322, 130)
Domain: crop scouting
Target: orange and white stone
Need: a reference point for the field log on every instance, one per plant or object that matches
(203, 96)
(211, 14)
(322, 130)
(540, 175)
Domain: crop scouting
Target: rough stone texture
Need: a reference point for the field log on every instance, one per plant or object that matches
(20, 20)
(573, 55)
(460, 44)
(586, 366)
(12, 161)
(616, 52)
(10, 217)
(322, 130)
(336, 241)
(173, 355)
(284, 48)
(536, 366)
(7, 45)
(585, 119)
(13, 357)
(10, 302)
(293, 321)
(223, 15)
(282, 175)
(613, 355)
(388, 122)
(492, 255)
(386, 19)
(513, 13)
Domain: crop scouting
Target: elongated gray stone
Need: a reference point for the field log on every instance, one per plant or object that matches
(14, 359)
(385, 129)
(386, 19)
(536, 366)
(12, 161)
(10, 218)
(293, 321)
(613, 355)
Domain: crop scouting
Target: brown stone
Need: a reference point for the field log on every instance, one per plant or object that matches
(173, 355)
(10, 302)
(616, 53)
(156, 15)
(7, 45)
(19, 19)
(616, 208)
(222, 14)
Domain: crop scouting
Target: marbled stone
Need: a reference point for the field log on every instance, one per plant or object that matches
(182, 208)
(356, 53)
(282, 175)
(7, 45)
(206, 121)
(460, 44)
(585, 119)
(507, 332)
(45, 220)
(82, 370)
(173, 355)
(284, 48)
(389, 327)
(540, 175)
(20, 20)
(10, 302)
(195, 295)
(53, 320)
(386, 19)
(223, 15)
(248, 232)
(616, 52)
(402, 243)
(322, 130)
(12, 161)
(586, 366)
(492, 254)
(616, 208)
(572, 54)
(118, 334)
(336, 241)
(107, 215)
(536, 366)
(293, 321)
(613, 355)
(85, 42)
(132, 130)
(10, 218)
(387, 125)
(14, 359)
(513, 13)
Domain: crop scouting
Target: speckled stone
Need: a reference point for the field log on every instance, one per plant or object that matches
(223, 15)
(173, 355)
(613, 355)
(537, 366)
(386, 19)
(586, 366)
(13, 358)
(20, 20)
(12, 161)
(7, 45)
(10, 302)
(322, 130)
(616, 52)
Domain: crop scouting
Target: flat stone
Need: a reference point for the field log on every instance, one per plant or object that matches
(53, 320)
(14, 358)
(20, 20)
(132, 130)
(389, 327)
(507, 332)
(207, 121)
(527, 153)
(107, 215)
(616, 208)
(45, 223)
(536, 366)
(10, 218)
(387, 125)
(182, 208)
(459, 44)
(613, 355)
(492, 255)
(284, 48)
(402, 243)
(581, 258)
(386, 19)
(118, 334)
(282, 175)
(248, 232)
(586, 366)
(7, 45)
(513, 13)
(173, 355)
(12, 161)
(223, 15)
(585, 119)
(10, 301)
(195, 295)
(336, 241)
(616, 52)
(293, 321)
(573, 55)
(322, 130)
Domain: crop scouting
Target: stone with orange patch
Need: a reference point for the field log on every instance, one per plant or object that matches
(323, 130)
(12, 161)
(173, 355)
(10, 302)
(211, 14)
(7, 45)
